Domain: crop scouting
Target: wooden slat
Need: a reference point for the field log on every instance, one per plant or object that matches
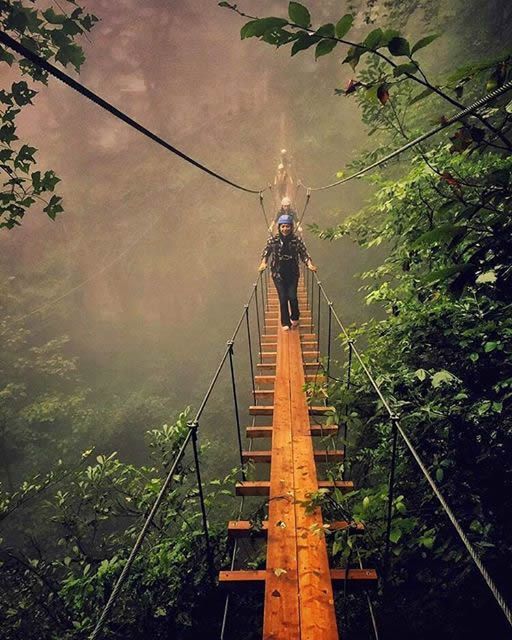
(262, 487)
(271, 365)
(315, 430)
(256, 579)
(321, 455)
(320, 410)
(246, 528)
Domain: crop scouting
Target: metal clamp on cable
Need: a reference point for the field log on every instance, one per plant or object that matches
(193, 425)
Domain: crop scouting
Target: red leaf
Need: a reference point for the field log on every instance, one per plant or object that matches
(352, 86)
(383, 93)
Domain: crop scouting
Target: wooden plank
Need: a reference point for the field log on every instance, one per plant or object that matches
(315, 430)
(261, 410)
(262, 487)
(321, 455)
(256, 579)
(246, 528)
(317, 614)
(281, 612)
(319, 410)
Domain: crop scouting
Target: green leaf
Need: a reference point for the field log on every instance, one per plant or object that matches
(304, 41)
(248, 30)
(442, 377)
(487, 277)
(257, 28)
(490, 346)
(439, 474)
(344, 25)
(354, 55)
(299, 14)
(441, 233)
(448, 272)
(54, 18)
(408, 67)
(395, 535)
(324, 47)
(71, 53)
(427, 541)
(388, 35)
(420, 96)
(373, 39)
(399, 46)
(325, 31)
(421, 374)
(5, 56)
(424, 42)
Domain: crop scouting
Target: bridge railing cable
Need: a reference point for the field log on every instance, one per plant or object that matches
(40, 62)
(190, 439)
(398, 430)
(460, 115)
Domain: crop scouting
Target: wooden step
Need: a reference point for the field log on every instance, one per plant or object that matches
(268, 410)
(269, 365)
(255, 579)
(316, 430)
(273, 344)
(270, 379)
(245, 528)
(262, 487)
(322, 455)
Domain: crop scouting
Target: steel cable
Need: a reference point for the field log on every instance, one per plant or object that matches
(437, 492)
(458, 116)
(87, 93)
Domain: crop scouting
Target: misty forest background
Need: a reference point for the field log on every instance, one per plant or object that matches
(123, 271)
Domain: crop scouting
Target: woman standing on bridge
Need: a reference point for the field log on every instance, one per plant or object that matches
(284, 250)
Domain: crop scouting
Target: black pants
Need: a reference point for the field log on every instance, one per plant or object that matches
(287, 292)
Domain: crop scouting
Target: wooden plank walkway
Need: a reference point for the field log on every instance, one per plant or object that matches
(298, 582)
(299, 602)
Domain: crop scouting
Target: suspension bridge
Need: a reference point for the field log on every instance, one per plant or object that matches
(297, 581)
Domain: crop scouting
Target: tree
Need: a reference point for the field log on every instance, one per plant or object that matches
(53, 36)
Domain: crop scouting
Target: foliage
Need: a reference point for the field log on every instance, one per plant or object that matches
(443, 350)
(56, 583)
(52, 35)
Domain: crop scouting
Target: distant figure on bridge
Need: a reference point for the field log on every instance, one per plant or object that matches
(284, 250)
(286, 209)
(283, 182)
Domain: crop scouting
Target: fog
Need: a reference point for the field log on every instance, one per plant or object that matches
(149, 267)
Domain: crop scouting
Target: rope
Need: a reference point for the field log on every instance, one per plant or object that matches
(156, 505)
(308, 198)
(138, 543)
(262, 205)
(437, 492)
(459, 116)
(87, 93)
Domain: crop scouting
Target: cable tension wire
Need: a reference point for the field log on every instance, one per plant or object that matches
(87, 93)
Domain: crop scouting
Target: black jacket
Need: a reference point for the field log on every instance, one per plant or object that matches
(284, 254)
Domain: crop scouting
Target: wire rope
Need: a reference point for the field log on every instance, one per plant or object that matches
(101, 102)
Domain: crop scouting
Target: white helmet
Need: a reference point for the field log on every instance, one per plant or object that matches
(285, 201)
(283, 152)
(280, 166)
